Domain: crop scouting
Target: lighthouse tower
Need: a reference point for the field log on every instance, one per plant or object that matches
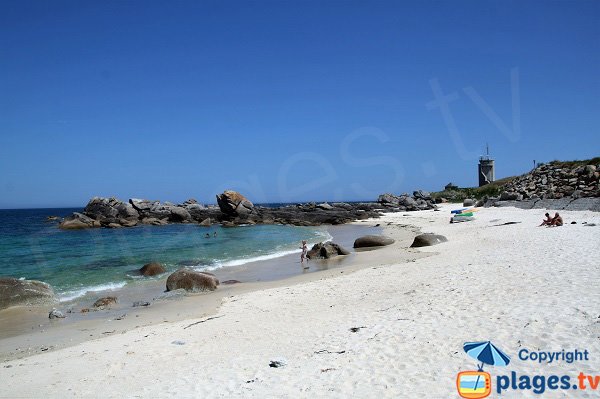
(485, 169)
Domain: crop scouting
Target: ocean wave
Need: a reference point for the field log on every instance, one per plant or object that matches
(74, 294)
(278, 254)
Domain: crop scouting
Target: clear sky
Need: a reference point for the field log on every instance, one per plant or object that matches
(287, 100)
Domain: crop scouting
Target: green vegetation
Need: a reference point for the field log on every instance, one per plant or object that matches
(573, 164)
(489, 190)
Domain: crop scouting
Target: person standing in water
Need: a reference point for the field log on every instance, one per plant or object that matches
(303, 254)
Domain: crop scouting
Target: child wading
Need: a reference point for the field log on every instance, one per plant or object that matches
(303, 254)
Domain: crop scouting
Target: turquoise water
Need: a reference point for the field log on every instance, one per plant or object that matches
(77, 261)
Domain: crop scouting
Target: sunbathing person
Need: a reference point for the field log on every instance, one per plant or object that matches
(557, 220)
(547, 221)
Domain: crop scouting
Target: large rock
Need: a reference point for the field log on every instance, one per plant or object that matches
(421, 194)
(164, 211)
(192, 206)
(155, 221)
(421, 200)
(152, 269)
(326, 250)
(142, 205)
(233, 203)
(15, 292)
(127, 211)
(179, 214)
(100, 208)
(78, 221)
(428, 239)
(205, 223)
(105, 212)
(512, 196)
(372, 241)
(192, 281)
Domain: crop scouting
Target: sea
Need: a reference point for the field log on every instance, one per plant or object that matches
(77, 262)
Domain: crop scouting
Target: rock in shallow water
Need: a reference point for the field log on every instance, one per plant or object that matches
(152, 269)
(326, 250)
(78, 221)
(192, 281)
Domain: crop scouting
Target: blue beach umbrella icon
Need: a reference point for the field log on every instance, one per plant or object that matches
(486, 353)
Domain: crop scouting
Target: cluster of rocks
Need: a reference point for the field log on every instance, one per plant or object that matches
(419, 201)
(233, 209)
(21, 292)
(555, 181)
(555, 185)
(112, 213)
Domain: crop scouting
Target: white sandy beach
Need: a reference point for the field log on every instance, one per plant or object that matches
(518, 285)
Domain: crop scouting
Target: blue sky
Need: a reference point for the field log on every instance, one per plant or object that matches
(287, 101)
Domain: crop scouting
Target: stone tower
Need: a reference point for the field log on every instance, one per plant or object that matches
(485, 169)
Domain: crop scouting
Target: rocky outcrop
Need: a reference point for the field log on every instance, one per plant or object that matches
(112, 213)
(557, 185)
(555, 180)
(372, 241)
(16, 292)
(428, 239)
(420, 200)
(311, 214)
(110, 208)
(326, 250)
(161, 211)
(192, 281)
(152, 269)
(234, 209)
(78, 221)
(234, 204)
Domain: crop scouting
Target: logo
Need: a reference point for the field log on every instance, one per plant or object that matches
(478, 384)
(474, 384)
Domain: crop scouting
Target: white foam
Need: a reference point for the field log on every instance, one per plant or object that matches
(70, 295)
(238, 262)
